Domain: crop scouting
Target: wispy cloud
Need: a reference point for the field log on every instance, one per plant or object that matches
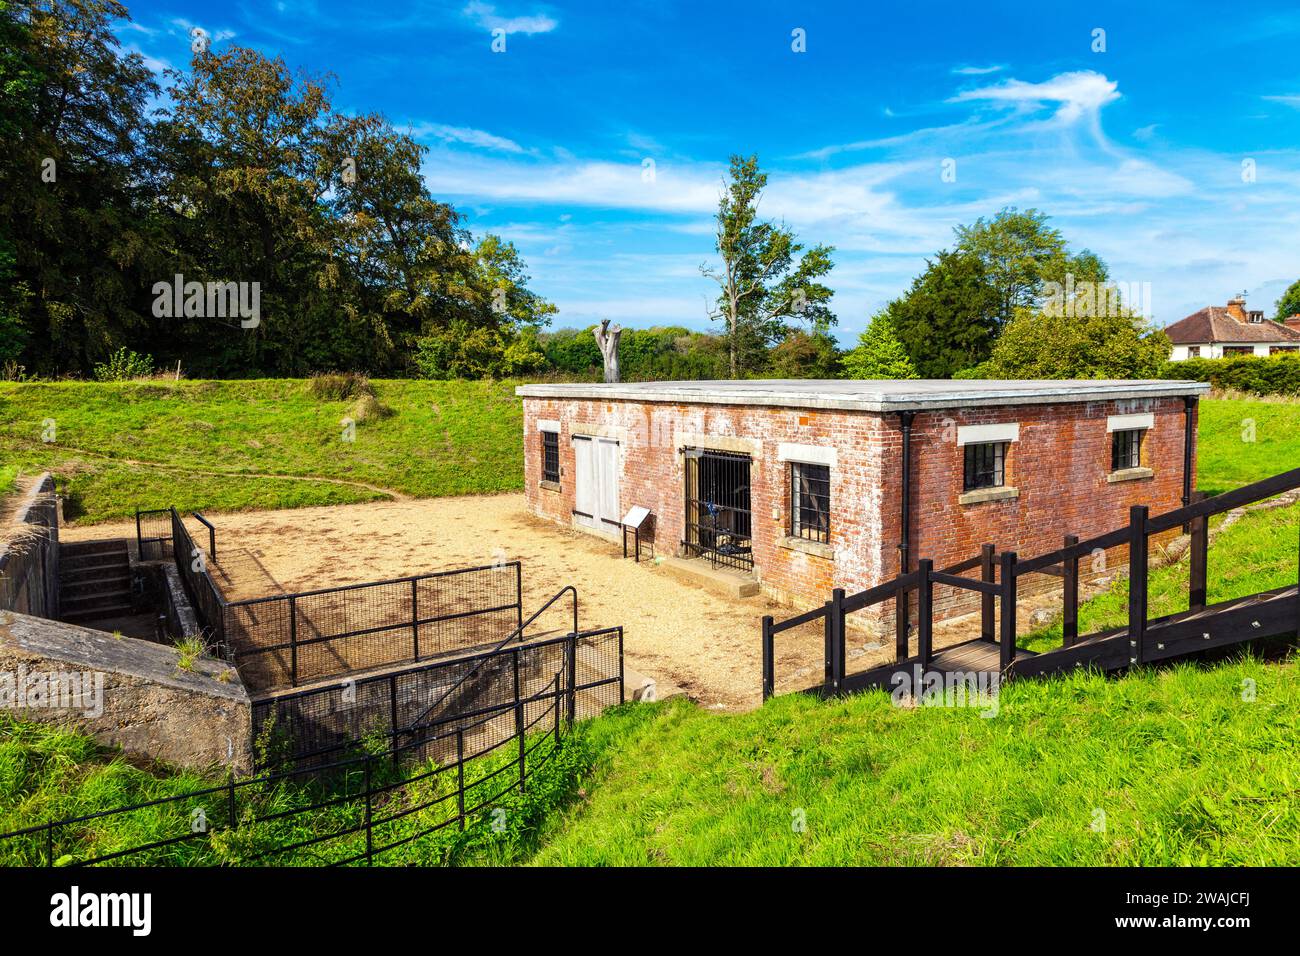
(978, 70)
(466, 135)
(1077, 95)
(1289, 99)
(486, 16)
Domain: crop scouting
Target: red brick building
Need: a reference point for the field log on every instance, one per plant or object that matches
(804, 486)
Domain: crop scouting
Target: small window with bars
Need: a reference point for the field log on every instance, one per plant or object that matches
(1126, 449)
(550, 456)
(986, 465)
(810, 502)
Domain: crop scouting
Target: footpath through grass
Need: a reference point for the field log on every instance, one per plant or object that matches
(206, 445)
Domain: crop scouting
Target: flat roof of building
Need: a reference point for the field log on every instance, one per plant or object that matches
(870, 395)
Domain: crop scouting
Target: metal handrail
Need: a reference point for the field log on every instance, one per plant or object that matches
(513, 635)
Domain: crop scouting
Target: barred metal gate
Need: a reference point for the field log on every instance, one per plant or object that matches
(718, 519)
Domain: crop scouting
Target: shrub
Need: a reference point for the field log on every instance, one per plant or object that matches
(340, 386)
(124, 365)
(1275, 375)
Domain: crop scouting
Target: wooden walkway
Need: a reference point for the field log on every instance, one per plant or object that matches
(1145, 640)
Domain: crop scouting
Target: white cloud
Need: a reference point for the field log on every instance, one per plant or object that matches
(1290, 99)
(1079, 94)
(485, 15)
(978, 70)
(466, 135)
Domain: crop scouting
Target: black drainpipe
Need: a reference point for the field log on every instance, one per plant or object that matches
(905, 528)
(1189, 405)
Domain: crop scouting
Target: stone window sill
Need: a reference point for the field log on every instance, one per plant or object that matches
(981, 495)
(815, 548)
(549, 485)
(1129, 474)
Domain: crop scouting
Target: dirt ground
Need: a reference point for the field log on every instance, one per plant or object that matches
(689, 640)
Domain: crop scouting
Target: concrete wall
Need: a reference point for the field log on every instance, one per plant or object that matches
(1060, 468)
(29, 553)
(130, 693)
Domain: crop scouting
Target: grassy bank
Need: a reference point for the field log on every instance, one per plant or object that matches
(225, 446)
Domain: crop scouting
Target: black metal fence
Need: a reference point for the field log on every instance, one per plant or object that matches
(316, 726)
(288, 639)
(29, 560)
(192, 563)
(355, 808)
(153, 534)
(718, 519)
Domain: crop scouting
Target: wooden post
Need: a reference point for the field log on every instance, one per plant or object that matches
(924, 611)
(833, 631)
(1007, 643)
(769, 669)
(1137, 581)
(1198, 559)
(1070, 577)
(988, 574)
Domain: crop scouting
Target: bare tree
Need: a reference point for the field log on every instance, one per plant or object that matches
(607, 340)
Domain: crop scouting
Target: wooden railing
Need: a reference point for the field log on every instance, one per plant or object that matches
(998, 579)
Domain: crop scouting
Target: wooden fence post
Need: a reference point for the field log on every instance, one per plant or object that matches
(1007, 643)
(1070, 577)
(1137, 582)
(924, 611)
(1198, 558)
(988, 574)
(769, 665)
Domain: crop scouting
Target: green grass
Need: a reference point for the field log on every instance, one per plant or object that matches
(48, 773)
(446, 438)
(1257, 553)
(199, 443)
(1243, 441)
(1184, 769)
(8, 475)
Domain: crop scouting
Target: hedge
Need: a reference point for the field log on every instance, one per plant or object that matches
(1276, 375)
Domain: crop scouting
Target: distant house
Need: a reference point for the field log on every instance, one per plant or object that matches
(1216, 331)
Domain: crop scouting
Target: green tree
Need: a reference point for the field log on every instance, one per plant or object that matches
(76, 196)
(948, 320)
(879, 353)
(1101, 344)
(764, 282)
(1020, 253)
(1289, 304)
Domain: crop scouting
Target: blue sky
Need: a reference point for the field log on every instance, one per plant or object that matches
(1140, 152)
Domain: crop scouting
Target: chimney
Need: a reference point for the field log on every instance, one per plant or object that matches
(1237, 308)
(1293, 322)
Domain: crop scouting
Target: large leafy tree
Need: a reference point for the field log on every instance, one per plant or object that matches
(76, 213)
(1093, 344)
(767, 279)
(1289, 304)
(948, 320)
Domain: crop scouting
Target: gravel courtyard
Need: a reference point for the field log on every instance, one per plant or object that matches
(689, 640)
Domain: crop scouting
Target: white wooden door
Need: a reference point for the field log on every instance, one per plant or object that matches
(596, 497)
(607, 485)
(585, 497)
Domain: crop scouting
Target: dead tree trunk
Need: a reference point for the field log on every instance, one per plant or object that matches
(607, 341)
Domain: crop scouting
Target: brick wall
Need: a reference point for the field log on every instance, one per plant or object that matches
(1059, 466)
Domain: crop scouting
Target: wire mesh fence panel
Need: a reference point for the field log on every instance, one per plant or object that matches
(153, 532)
(298, 638)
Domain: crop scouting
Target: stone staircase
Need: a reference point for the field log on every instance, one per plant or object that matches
(94, 580)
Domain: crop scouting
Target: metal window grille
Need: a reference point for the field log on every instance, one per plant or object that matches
(718, 519)
(1126, 449)
(810, 502)
(550, 456)
(985, 465)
